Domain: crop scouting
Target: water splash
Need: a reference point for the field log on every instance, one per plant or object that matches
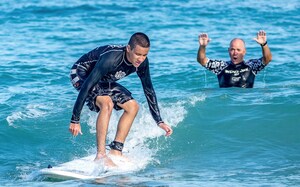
(30, 112)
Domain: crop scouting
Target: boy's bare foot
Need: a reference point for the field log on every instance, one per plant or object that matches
(115, 152)
(118, 154)
(107, 161)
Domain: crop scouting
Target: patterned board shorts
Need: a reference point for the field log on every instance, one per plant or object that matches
(117, 93)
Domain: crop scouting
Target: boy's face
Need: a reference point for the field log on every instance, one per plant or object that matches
(137, 55)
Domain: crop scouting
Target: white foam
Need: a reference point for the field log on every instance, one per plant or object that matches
(31, 111)
(4, 97)
(194, 99)
(22, 90)
(144, 128)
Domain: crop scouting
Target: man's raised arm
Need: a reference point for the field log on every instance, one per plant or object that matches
(261, 39)
(203, 42)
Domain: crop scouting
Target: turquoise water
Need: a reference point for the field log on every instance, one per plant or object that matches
(222, 137)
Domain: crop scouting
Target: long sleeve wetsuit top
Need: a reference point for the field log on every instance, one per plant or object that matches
(109, 64)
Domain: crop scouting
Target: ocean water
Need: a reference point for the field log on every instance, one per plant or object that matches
(222, 137)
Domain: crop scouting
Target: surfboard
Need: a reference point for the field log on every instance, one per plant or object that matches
(85, 169)
(63, 175)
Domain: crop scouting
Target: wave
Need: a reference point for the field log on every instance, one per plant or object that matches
(31, 111)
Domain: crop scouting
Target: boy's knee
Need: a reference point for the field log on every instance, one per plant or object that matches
(133, 106)
(104, 103)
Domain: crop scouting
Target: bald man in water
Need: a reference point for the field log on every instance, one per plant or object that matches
(237, 72)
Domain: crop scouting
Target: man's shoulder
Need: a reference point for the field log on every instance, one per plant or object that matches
(256, 64)
(215, 63)
(216, 66)
(255, 60)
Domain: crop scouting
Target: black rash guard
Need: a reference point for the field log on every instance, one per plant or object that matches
(109, 64)
(235, 75)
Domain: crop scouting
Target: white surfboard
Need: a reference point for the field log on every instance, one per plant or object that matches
(62, 175)
(86, 168)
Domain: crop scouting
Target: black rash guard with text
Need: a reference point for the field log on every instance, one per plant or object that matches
(235, 75)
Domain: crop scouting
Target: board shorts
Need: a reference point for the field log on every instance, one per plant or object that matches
(117, 92)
